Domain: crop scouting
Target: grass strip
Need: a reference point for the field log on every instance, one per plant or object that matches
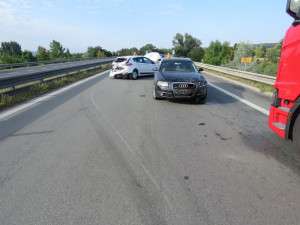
(42, 88)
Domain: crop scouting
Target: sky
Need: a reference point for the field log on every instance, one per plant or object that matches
(116, 24)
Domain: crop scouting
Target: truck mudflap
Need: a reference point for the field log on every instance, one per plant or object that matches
(282, 120)
(277, 121)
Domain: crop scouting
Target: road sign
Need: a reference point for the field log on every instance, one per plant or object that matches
(246, 59)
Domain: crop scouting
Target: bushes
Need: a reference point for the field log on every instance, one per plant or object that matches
(222, 55)
(7, 59)
(218, 54)
(269, 68)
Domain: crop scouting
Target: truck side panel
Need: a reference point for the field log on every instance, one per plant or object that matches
(287, 84)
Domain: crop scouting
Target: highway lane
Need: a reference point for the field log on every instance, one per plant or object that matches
(105, 152)
(242, 91)
(44, 68)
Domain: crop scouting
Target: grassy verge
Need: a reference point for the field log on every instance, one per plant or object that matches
(263, 87)
(42, 88)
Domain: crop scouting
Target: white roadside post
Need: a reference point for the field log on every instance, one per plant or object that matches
(246, 60)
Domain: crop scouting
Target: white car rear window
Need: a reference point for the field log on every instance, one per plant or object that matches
(118, 60)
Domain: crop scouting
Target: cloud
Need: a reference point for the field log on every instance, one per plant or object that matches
(4, 5)
(22, 4)
(13, 10)
(42, 32)
(17, 25)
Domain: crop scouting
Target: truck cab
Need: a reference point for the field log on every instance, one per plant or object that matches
(284, 116)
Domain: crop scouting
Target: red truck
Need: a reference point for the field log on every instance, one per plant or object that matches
(284, 116)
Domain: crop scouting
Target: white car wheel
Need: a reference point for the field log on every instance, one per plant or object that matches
(134, 75)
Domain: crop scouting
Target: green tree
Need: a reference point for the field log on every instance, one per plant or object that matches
(260, 52)
(10, 48)
(77, 55)
(7, 59)
(56, 50)
(100, 54)
(218, 53)
(27, 56)
(212, 53)
(244, 50)
(147, 47)
(196, 54)
(42, 54)
(184, 44)
(107, 53)
(274, 53)
(93, 52)
(270, 65)
(235, 46)
(128, 51)
(68, 55)
(269, 68)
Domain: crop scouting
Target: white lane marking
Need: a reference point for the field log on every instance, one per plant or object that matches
(266, 112)
(40, 99)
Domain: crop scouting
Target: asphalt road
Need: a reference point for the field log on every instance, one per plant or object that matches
(20, 72)
(105, 152)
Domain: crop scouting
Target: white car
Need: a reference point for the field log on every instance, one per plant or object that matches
(132, 67)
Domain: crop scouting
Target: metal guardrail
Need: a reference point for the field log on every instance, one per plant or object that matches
(13, 79)
(27, 64)
(242, 74)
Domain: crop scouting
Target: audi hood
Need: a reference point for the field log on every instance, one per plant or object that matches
(182, 77)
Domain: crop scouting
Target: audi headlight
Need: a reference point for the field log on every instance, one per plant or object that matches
(162, 83)
(198, 84)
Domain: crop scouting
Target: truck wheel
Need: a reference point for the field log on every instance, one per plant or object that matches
(134, 75)
(296, 134)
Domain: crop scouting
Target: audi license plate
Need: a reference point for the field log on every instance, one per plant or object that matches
(183, 92)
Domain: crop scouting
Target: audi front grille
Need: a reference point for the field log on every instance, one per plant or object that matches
(181, 89)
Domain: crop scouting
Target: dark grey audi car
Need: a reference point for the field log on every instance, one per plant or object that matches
(179, 78)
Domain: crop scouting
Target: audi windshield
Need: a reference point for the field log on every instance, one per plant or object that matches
(178, 66)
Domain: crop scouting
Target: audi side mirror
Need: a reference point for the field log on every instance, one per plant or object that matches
(155, 68)
(200, 69)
